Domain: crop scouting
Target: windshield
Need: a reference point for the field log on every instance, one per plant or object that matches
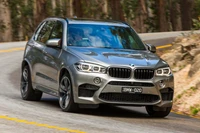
(103, 36)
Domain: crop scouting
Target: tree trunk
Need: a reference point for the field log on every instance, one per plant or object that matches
(70, 8)
(116, 10)
(39, 11)
(5, 23)
(53, 3)
(141, 16)
(162, 18)
(174, 15)
(186, 13)
(105, 8)
(78, 8)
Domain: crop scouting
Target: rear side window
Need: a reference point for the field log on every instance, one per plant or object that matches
(43, 34)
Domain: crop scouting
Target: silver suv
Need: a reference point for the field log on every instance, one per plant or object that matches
(87, 63)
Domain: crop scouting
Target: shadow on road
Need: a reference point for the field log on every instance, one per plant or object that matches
(114, 111)
(103, 110)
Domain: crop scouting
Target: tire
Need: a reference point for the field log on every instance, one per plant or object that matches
(66, 100)
(159, 112)
(27, 91)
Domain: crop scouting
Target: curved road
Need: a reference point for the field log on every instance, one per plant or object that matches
(21, 116)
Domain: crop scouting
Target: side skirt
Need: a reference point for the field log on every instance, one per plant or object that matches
(46, 90)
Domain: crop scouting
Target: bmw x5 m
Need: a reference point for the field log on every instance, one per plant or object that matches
(90, 62)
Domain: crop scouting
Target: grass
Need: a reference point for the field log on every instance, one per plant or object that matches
(193, 88)
(179, 95)
(194, 110)
(188, 92)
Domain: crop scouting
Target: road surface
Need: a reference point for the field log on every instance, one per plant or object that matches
(45, 116)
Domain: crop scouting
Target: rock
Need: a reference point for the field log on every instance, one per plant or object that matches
(172, 58)
(195, 65)
(188, 46)
(178, 39)
(184, 40)
(198, 85)
(194, 52)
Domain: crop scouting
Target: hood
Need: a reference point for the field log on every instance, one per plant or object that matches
(124, 57)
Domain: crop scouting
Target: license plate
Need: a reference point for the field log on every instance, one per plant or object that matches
(137, 90)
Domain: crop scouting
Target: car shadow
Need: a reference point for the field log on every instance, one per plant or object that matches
(114, 111)
(103, 110)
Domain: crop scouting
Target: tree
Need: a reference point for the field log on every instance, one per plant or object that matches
(40, 10)
(186, 13)
(78, 8)
(5, 22)
(161, 13)
(117, 12)
(175, 18)
(69, 7)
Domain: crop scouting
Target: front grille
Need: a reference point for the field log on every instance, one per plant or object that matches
(126, 97)
(143, 73)
(131, 84)
(119, 72)
(87, 90)
(167, 94)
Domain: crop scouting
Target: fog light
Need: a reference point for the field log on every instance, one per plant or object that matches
(97, 80)
(162, 84)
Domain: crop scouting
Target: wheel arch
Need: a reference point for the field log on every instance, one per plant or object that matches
(25, 62)
(63, 71)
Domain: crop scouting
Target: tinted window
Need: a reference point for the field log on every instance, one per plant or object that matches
(38, 31)
(104, 36)
(45, 32)
(57, 31)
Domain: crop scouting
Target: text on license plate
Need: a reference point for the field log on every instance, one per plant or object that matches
(132, 89)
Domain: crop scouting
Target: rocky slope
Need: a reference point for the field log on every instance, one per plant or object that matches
(184, 60)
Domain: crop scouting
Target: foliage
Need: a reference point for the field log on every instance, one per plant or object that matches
(24, 22)
(196, 10)
(194, 110)
(129, 8)
(2, 26)
(193, 88)
(196, 23)
(21, 16)
(152, 19)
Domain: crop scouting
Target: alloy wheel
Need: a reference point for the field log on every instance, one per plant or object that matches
(65, 92)
(24, 82)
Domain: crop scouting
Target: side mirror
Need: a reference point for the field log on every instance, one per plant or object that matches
(151, 48)
(53, 42)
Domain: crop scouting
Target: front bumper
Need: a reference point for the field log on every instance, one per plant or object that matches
(151, 88)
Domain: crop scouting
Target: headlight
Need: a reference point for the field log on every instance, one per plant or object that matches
(163, 71)
(87, 67)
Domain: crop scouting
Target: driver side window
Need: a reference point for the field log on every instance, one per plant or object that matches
(57, 31)
(45, 32)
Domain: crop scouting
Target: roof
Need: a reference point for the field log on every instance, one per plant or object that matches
(97, 22)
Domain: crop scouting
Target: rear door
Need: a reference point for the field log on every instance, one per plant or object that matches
(41, 37)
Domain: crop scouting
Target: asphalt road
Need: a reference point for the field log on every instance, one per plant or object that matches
(21, 116)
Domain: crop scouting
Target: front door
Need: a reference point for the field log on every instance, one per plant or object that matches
(51, 58)
(41, 37)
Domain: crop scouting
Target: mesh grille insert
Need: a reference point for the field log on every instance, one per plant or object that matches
(125, 97)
